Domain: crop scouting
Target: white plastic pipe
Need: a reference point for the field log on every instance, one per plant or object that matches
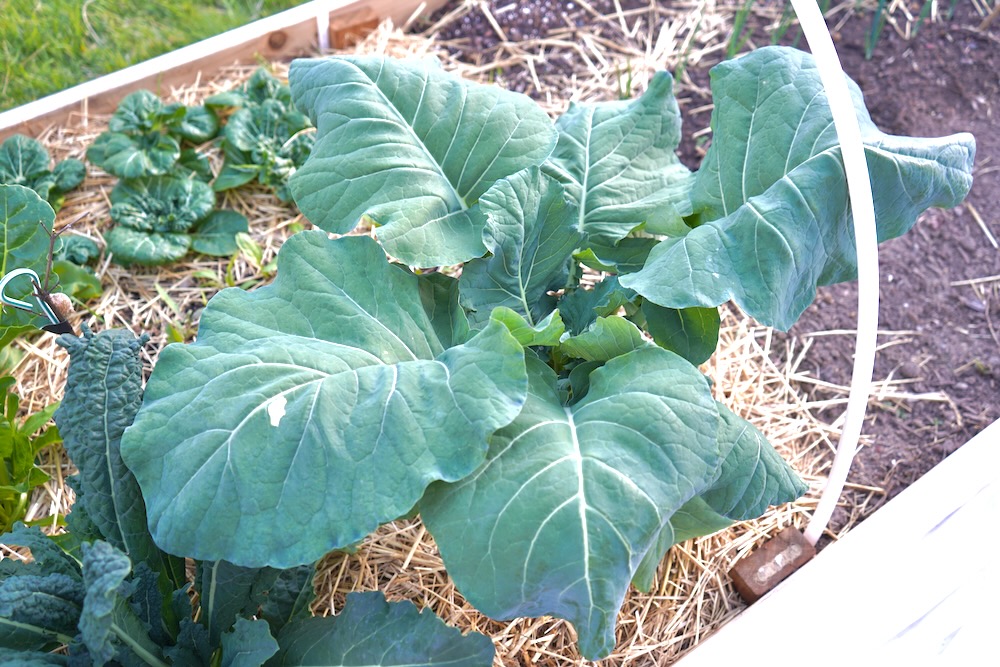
(863, 210)
(323, 26)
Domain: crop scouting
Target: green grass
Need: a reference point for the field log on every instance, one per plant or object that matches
(49, 46)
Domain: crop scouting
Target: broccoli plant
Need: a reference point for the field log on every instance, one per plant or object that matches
(556, 439)
(266, 139)
(111, 596)
(24, 161)
(159, 219)
(144, 138)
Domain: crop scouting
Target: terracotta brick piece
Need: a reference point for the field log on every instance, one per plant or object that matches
(766, 567)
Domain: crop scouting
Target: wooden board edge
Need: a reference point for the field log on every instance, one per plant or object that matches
(285, 35)
(905, 585)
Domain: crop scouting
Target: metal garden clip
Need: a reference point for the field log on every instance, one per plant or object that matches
(42, 308)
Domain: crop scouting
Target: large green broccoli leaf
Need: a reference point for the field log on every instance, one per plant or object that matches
(313, 409)
(371, 632)
(531, 235)
(580, 307)
(751, 477)
(26, 220)
(570, 498)
(618, 163)
(605, 339)
(772, 195)
(451, 140)
(692, 333)
(248, 644)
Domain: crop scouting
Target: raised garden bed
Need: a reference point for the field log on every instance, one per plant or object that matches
(691, 595)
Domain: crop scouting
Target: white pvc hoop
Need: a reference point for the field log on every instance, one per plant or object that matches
(863, 209)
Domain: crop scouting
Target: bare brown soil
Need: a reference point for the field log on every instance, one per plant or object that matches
(945, 80)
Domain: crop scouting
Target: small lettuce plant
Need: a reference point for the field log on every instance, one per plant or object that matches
(109, 595)
(159, 219)
(144, 138)
(261, 87)
(555, 438)
(266, 139)
(24, 161)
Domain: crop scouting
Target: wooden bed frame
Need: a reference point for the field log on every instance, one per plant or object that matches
(916, 583)
(304, 30)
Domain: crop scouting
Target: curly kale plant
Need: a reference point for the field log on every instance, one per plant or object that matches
(266, 139)
(161, 218)
(556, 439)
(110, 595)
(24, 161)
(144, 138)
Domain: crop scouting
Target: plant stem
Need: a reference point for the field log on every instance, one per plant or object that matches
(138, 648)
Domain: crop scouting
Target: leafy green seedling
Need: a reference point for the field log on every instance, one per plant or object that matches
(24, 161)
(144, 137)
(79, 250)
(266, 139)
(21, 442)
(161, 218)
(261, 87)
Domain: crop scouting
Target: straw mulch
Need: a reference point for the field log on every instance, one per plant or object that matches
(691, 595)
(164, 302)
